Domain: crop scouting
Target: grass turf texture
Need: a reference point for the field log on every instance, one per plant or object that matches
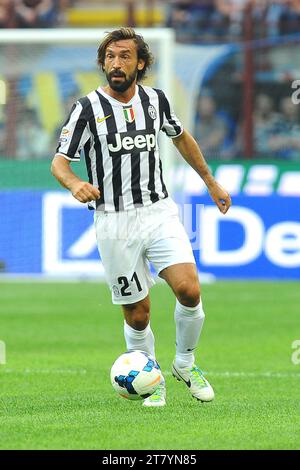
(61, 340)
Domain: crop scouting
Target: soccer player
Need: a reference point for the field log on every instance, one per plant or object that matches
(136, 221)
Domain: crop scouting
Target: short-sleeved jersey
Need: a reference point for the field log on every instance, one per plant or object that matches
(120, 145)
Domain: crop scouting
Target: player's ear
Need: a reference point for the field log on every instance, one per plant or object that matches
(141, 64)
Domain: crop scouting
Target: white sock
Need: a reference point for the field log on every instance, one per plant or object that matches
(142, 340)
(189, 322)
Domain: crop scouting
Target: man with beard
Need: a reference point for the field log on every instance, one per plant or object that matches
(136, 221)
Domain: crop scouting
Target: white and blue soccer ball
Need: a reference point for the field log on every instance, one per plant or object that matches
(135, 375)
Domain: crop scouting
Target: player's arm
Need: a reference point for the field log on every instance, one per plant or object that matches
(81, 190)
(192, 154)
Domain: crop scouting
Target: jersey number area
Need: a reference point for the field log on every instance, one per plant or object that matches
(125, 283)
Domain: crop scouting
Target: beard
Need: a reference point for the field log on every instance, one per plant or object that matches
(121, 86)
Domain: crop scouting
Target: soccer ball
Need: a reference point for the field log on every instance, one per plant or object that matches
(135, 375)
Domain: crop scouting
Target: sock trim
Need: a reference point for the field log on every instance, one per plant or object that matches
(190, 311)
(138, 334)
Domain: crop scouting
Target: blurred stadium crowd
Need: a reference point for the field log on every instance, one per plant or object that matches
(222, 20)
(219, 118)
(276, 131)
(192, 20)
(32, 13)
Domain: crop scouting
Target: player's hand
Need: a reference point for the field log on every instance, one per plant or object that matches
(220, 196)
(85, 192)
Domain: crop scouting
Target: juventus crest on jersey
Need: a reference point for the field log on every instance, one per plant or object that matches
(120, 145)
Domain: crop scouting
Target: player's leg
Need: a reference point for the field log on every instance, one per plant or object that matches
(128, 276)
(189, 315)
(171, 253)
(189, 319)
(138, 335)
(137, 329)
(183, 280)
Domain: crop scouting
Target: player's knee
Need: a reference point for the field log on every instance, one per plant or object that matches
(137, 316)
(188, 293)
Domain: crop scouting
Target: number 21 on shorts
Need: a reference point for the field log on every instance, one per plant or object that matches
(125, 284)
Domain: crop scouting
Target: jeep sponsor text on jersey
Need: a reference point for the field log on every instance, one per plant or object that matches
(131, 142)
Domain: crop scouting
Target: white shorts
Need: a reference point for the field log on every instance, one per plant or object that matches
(129, 240)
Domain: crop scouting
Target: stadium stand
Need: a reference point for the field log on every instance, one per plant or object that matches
(114, 13)
(55, 75)
(6, 14)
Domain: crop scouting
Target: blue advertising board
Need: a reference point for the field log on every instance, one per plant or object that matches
(259, 237)
(49, 232)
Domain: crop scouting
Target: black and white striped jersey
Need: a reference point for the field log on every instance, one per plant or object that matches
(120, 145)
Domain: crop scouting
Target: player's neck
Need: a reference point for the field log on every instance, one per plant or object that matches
(123, 97)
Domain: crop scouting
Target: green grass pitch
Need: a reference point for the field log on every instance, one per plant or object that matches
(62, 338)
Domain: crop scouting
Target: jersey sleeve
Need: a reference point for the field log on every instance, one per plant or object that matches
(74, 134)
(171, 125)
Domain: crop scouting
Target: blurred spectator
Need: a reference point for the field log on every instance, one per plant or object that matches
(290, 17)
(195, 19)
(233, 10)
(212, 130)
(214, 20)
(265, 121)
(282, 17)
(274, 13)
(6, 14)
(33, 141)
(285, 142)
(36, 13)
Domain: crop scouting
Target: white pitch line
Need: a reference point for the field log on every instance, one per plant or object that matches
(229, 374)
(44, 371)
(232, 374)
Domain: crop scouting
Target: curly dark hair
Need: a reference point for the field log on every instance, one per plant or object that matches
(143, 51)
